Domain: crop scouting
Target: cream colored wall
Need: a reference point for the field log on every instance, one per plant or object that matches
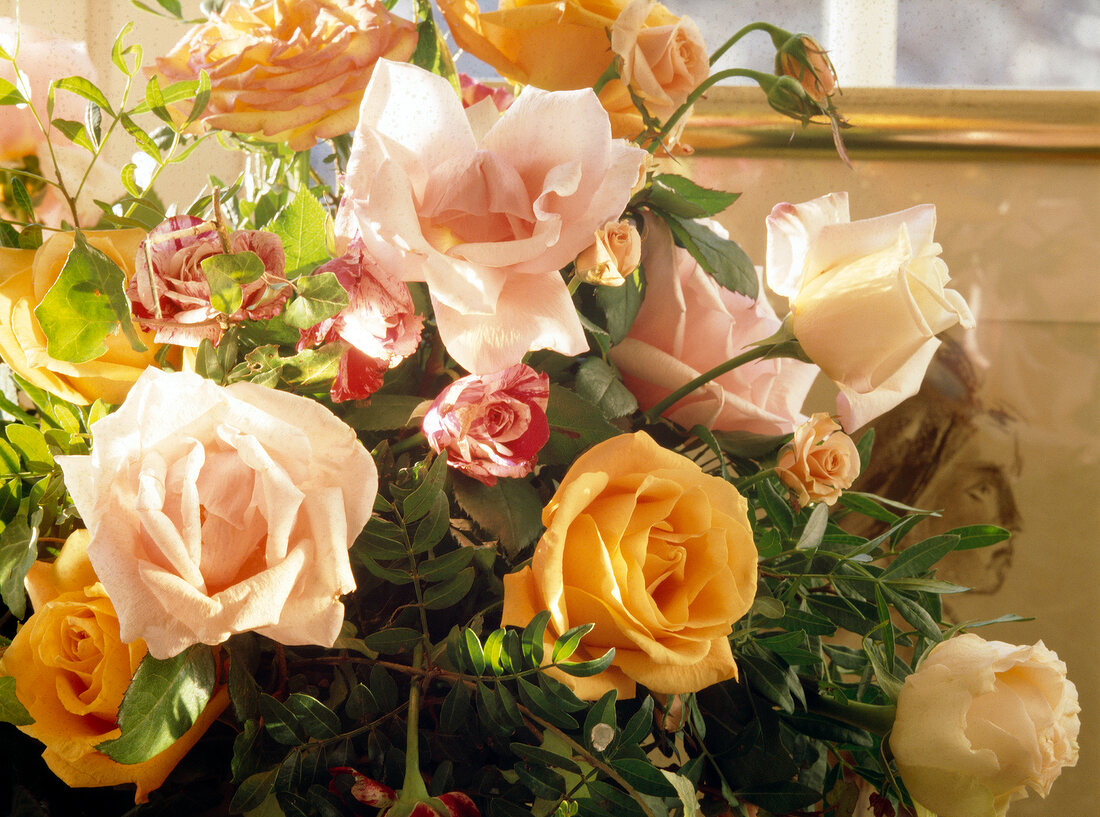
(98, 22)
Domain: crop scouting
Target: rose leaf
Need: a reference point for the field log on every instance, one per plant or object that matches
(681, 196)
(620, 304)
(86, 303)
(11, 709)
(510, 510)
(723, 259)
(162, 702)
(598, 382)
(306, 232)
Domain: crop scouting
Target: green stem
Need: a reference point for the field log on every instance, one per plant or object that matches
(752, 479)
(875, 718)
(772, 30)
(755, 353)
(411, 441)
(705, 86)
(413, 789)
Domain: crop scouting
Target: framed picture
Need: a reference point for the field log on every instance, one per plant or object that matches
(1005, 427)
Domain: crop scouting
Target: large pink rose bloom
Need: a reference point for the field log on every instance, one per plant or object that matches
(689, 324)
(170, 294)
(215, 510)
(486, 208)
(493, 425)
(867, 297)
(378, 327)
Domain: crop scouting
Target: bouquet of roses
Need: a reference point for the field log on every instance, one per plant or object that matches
(451, 459)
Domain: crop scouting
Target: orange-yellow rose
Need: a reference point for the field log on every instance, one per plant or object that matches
(289, 70)
(25, 277)
(71, 670)
(820, 461)
(658, 554)
(615, 254)
(563, 45)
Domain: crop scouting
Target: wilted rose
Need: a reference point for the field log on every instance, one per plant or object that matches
(867, 297)
(820, 462)
(491, 425)
(563, 45)
(980, 722)
(657, 553)
(379, 326)
(170, 293)
(486, 209)
(689, 324)
(71, 669)
(289, 70)
(216, 510)
(615, 254)
(25, 278)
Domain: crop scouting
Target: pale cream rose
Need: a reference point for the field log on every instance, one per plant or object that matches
(613, 256)
(820, 462)
(867, 298)
(218, 510)
(980, 722)
(658, 554)
(289, 71)
(25, 277)
(71, 670)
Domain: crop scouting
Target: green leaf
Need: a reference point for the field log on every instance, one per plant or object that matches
(421, 500)
(385, 412)
(568, 642)
(226, 273)
(620, 304)
(450, 592)
(244, 692)
(31, 445)
(253, 791)
(474, 652)
(75, 132)
(575, 424)
(392, 639)
(544, 783)
(11, 708)
(681, 196)
(544, 757)
(144, 140)
(280, 722)
(723, 259)
(643, 777)
(532, 637)
(320, 296)
(776, 506)
(814, 530)
(10, 95)
(510, 511)
(543, 706)
(18, 550)
(866, 505)
(306, 232)
(584, 669)
(494, 645)
(918, 558)
(431, 52)
(86, 89)
(163, 700)
(979, 536)
(452, 715)
(154, 100)
(640, 724)
(491, 711)
(360, 704)
(202, 98)
(600, 384)
(780, 798)
(314, 717)
(444, 567)
(84, 305)
(601, 713)
(433, 527)
(863, 447)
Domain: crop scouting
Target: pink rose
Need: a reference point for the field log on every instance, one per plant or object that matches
(689, 324)
(493, 425)
(289, 70)
(378, 326)
(486, 209)
(867, 297)
(170, 294)
(820, 462)
(215, 510)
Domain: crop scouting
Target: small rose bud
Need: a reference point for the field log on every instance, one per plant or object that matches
(820, 461)
(366, 791)
(613, 256)
(459, 804)
(803, 58)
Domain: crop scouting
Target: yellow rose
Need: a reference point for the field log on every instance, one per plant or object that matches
(25, 277)
(563, 45)
(658, 554)
(289, 71)
(71, 671)
(820, 461)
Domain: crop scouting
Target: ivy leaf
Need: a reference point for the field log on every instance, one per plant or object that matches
(319, 297)
(86, 303)
(723, 259)
(226, 273)
(306, 232)
(163, 700)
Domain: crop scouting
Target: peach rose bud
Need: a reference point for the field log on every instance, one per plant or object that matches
(613, 256)
(820, 462)
(491, 425)
(803, 58)
(980, 722)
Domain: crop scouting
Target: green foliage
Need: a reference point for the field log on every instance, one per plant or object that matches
(307, 234)
(723, 259)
